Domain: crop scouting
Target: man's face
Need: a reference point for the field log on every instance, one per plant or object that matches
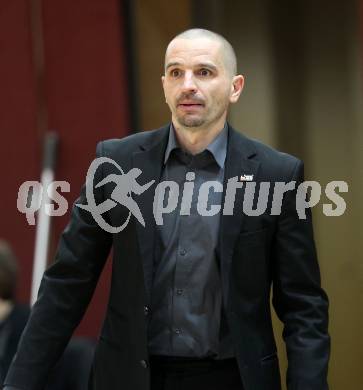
(197, 85)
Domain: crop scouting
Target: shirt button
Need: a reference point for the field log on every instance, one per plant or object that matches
(183, 252)
(177, 331)
(179, 291)
(146, 310)
(144, 363)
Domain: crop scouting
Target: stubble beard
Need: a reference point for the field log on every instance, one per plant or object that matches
(195, 122)
(191, 122)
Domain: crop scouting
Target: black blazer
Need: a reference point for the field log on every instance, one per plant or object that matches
(255, 253)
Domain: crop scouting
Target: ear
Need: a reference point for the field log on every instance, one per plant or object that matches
(163, 84)
(237, 87)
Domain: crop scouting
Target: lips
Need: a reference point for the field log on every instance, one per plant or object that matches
(190, 104)
(190, 107)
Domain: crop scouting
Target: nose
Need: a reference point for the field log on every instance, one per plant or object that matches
(189, 82)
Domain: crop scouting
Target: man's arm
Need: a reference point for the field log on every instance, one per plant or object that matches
(299, 301)
(65, 291)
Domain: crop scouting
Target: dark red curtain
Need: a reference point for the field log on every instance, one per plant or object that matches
(62, 68)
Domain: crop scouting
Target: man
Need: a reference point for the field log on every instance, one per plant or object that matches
(73, 368)
(189, 303)
(13, 316)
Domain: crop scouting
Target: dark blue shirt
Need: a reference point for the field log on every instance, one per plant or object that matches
(187, 316)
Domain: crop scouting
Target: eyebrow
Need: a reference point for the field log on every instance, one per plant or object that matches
(170, 64)
(200, 65)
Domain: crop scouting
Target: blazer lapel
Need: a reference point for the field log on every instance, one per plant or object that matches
(239, 161)
(149, 159)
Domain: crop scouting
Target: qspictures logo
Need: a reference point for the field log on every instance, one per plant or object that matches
(169, 194)
(126, 185)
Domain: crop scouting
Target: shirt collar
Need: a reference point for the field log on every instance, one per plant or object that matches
(218, 147)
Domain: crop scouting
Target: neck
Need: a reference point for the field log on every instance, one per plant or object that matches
(196, 139)
(5, 308)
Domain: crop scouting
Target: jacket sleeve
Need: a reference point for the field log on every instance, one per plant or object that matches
(299, 301)
(65, 291)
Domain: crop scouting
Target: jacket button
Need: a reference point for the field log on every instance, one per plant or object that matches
(144, 363)
(146, 310)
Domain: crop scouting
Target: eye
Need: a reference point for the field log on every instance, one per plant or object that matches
(204, 72)
(175, 73)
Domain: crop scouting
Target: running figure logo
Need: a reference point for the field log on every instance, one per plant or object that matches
(126, 185)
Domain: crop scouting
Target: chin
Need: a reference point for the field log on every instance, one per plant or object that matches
(191, 122)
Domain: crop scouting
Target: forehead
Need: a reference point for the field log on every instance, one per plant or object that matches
(194, 51)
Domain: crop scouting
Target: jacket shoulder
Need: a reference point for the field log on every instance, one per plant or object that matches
(269, 153)
(274, 163)
(128, 144)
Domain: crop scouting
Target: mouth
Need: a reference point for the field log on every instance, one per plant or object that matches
(188, 106)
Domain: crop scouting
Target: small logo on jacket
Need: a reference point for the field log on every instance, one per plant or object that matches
(246, 178)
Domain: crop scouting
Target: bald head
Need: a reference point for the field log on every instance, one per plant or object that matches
(227, 51)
